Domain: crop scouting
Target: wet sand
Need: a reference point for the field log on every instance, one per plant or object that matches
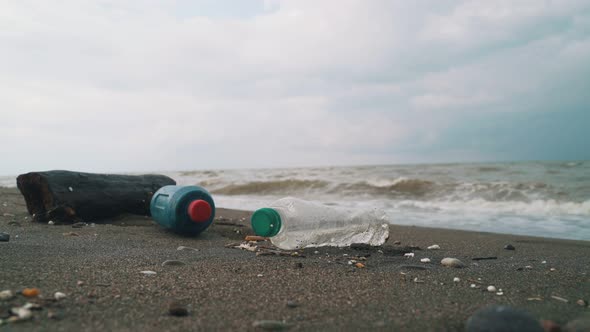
(229, 289)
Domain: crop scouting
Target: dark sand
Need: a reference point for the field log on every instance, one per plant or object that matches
(223, 291)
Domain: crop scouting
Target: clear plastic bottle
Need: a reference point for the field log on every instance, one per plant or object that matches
(293, 223)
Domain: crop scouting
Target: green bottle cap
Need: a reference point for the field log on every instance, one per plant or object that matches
(266, 222)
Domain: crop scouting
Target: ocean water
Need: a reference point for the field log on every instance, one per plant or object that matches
(550, 199)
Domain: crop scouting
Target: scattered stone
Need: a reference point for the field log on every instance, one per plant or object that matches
(6, 295)
(425, 260)
(528, 267)
(316, 252)
(148, 273)
(51, 222)
(456, 280)
(409, 255)
(30, 292)
(70, 189)
(452, 262)
(175, 308)
(418, 281)
(578, 325)
(582, 303)
(172, 262)
(80, 283)
(552, 269)
(544, 262)
(502, 318)
(359, 265)
(559, 298)
(473, 286)
(292, 304)
(79, 225)
(4, 237)
(22, 313)
(271, 325)
(433, 247)
(59, 296)
(550, 326)
(260, 275)
(509, 247)
(492, 289)
(499, 293)
(186, 248)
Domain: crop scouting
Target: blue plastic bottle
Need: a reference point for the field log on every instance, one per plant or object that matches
(183, 209)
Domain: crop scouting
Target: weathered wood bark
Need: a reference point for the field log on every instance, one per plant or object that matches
(67, 196)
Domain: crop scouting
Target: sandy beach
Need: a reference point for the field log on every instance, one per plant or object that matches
(98, 266)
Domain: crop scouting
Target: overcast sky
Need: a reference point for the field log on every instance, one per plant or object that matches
(142, 85)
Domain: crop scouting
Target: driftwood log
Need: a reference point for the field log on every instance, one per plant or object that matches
(66, 196)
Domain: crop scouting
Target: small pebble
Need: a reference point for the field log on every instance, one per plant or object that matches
(433, 247)
(171, 262)
(409, 254)
(397, 242)
(176, 308)
(316, 252)
(22, 313)
(359, 265)
(492, 289)
(552, 269)
(544, 262)
(6, 295)
(30, 292)
(292, 304)
(473, 286)
(502, 318)
(79, 225)
(59, 296)
(452, 262)
(499, 293)
(70, 189)
(4, 237)
(186, 248)
(260, 275)
(509, 247)
(456, 279)
(582, 303)
(528, 267)
(271, 325)
(148, 273)
(51, 222)
(80, 283)
(425, 260)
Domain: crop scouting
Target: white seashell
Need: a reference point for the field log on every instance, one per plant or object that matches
(492, 289)
(433, 247)
(456, 279)
(425, 260)
(59, 295)
(452, 262)
(500, 293)
(409, 254)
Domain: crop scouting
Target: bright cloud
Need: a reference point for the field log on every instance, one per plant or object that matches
(162, 85)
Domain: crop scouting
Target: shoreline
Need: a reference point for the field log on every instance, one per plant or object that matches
(231, 289)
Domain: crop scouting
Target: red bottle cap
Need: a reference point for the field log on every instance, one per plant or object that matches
(199, 211)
